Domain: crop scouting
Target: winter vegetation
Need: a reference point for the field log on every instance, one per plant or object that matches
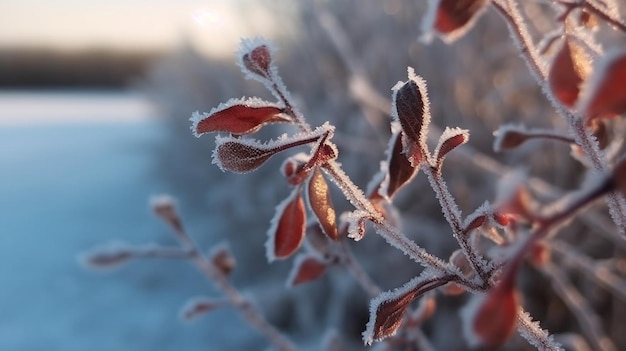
(480, 204)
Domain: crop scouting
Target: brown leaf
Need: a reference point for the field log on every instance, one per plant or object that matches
(568, 70)
(454, 15)
(238, 117)
(306, 268)
(321, 204)
(288, 227)
(239, 157)
(199, 306)
(387, 309)
(411, 108)
(223, 259)
(605, 95)
(400, 169)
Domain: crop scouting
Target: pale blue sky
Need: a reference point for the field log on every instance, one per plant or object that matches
(213, 25)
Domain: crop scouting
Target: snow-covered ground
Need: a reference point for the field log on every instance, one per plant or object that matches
(68, 184)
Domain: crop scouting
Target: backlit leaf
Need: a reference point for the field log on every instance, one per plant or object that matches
(568, 70)
(288, 227)
(306, 268)
(321, 204)
(452, 18)
(604, 94)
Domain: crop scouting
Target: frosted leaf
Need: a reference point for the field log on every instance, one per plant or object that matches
(509, 136)
(451, 19)
(603, 94)
(242, 155)
(199, 306)
(478, 217)
(321, 204)
(107, 257)
(410, 107)
(237, 116)
(388, 308)
(306, 268)
(255, 59)
(425, 309)
(287, 229)
(356, 221)
(450, 139)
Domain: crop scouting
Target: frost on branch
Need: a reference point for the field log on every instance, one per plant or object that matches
(108, 257)
(387, 309)
(306, 268)
(237, 116)
(223, 259)
(287, 228)
(411, 108)
(603, 95)
(449, 140)
(451, 19)
(569, 68)
(321, 204)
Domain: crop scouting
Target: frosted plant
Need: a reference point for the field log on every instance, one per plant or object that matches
(494, 241)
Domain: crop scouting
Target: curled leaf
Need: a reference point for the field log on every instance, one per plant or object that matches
(604, 94)
(321, 204)
(569, 68)
(237, 116)
(450, 139)
(288, 227)
(306, 268)
(412, 109)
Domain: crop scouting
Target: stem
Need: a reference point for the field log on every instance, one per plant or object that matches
(453, 216)
(248, 310)
(615, 22)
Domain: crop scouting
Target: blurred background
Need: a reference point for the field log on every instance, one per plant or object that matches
(95, 99)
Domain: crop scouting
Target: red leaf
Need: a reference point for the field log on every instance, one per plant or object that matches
(238, 116)
(411, 109)
(400, 169)
(306, 268)
(569, 68)
(321, 204)
(258, 60)
(449, 140)
(492, 318)
(288, 227)
(605, 95)
(387, 309)
(455, 15)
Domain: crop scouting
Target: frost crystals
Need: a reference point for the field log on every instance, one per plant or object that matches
(411, 108)
(237, 116)
(387, 309)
